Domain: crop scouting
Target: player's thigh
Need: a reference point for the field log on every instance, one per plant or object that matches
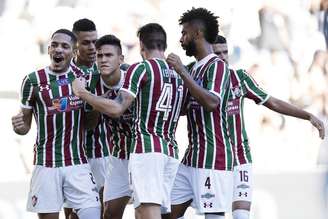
(146, 176)
(115, 207)
(99, 168)
(213, 190)
(117, 180)
(45, 195)
(80, 189)
(242, 186)
(48, 215)
(182, 192)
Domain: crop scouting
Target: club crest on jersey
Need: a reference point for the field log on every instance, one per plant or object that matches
(44, 87)
(236, 91)
(34, 200)
(199, 81)
(207, 195)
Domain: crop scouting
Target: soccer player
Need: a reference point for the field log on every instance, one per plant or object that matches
(97, 133)
(61, 173)
(157, 91)
(205, 174)
(116, 192)
(244, 86)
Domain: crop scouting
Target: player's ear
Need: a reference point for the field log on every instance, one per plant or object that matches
(121, 59)
(74, 51)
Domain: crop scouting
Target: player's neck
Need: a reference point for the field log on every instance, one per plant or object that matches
(155, 54)
(203, 50)
(80, 62)
(112, 79)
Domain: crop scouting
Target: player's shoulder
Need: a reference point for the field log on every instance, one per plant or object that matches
(36, 76)
(242, 73)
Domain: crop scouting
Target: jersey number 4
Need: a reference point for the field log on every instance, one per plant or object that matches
(164, 103)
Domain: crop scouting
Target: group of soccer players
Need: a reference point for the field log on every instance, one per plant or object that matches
(106, 134)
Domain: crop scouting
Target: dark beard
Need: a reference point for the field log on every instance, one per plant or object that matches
(190, 48)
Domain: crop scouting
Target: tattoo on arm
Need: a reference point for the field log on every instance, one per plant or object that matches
(119, 98)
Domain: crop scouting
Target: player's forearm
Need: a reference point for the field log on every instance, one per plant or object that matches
(103, 105)
(287, 109)
(208, 100)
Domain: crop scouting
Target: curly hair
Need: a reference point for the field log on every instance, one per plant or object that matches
(205, 18)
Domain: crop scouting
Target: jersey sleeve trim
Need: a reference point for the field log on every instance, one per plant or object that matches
(265, 100)
(26, 106)
(130, 92)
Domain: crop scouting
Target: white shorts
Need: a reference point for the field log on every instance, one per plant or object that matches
(99, 168)
(210, 190)
(52, 187)
(151, 178)
(117, 179)
(243, 183)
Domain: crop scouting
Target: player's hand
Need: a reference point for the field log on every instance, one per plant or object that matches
(78, 86)
(319, 125)
(174, 61)
(17, 122)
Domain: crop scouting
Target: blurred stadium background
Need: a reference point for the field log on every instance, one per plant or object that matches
(281, 44)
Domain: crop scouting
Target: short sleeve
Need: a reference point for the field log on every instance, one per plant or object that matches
(26, 93)
(135, 77)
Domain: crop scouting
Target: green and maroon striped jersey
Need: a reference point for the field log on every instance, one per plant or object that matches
(209, 145)
(97, 141)
(159, 92)
(120, 128)
(242, 86)
(58, 115)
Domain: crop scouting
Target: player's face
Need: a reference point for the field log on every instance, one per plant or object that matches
(108, 59)
(86, 49)
(187, 39)
(60, 51)
(221, 50)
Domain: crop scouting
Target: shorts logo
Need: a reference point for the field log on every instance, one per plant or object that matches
(34, 200)
(208, 205)
(245, 194)
(207, 195)
(242, 186)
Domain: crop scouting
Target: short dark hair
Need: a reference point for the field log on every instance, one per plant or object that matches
(220, 39)
(83, 25)
(109, 40)
(205, 18)
(153, 36)
(67, 32)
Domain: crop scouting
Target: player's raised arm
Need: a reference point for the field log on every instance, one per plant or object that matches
(208, 100)
(113, 108)
(285, 108)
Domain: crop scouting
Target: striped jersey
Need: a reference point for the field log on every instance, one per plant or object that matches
(96, 141)
(158, 92)
(242, 86)
(209, 145)
(120, 128)
(58, 115)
